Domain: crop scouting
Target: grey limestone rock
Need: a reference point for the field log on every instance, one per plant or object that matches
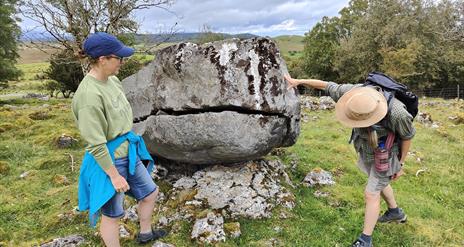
(221, 102)
(69, 241)
(185, 183)
(318, 177)
(209, 229)
(131, 214)
(161, 244)
(249, 190)
(123, 233)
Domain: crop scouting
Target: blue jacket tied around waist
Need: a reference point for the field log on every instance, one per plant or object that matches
(95, 187)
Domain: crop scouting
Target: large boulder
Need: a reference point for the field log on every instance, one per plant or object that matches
(221, 102)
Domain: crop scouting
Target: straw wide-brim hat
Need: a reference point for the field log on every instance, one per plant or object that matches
(361, 107)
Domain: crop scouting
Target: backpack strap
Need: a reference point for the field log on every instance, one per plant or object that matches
(390, 140)
(351, 137)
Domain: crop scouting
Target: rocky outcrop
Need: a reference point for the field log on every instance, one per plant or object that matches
(69, 241)
(318, 177)
(209, 229)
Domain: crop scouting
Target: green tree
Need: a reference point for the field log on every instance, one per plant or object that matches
(359, 53)
(418, 42)
(319, 50)
(131, 66)
(71, 22)
(9, 35)
(323, 41)
(294, 66)
(65, 69)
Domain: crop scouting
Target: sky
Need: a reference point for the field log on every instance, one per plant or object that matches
(260, 17)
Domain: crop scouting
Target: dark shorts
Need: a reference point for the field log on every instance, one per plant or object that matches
(141, 185)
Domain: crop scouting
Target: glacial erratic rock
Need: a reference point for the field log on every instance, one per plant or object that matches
(221, 102)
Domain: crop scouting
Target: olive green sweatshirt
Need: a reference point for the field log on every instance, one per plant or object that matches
(102, 112)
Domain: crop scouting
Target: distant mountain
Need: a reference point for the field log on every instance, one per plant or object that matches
(36, 36)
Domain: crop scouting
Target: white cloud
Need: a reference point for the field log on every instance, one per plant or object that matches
(287, 25)
(262, 17)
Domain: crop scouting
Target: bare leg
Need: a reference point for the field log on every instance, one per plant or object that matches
(389, 197)
(145, 211)
(372, 211)
(109, 229)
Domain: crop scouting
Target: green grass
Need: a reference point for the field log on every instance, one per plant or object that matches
(290, 45)
(29, 81)
(29, 207)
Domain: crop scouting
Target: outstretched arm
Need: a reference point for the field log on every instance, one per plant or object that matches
(313, 83)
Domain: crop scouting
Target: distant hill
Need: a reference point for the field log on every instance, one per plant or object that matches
(290, 44)
(185, 37)
(153, 38)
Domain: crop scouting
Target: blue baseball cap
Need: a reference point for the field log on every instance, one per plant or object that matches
(104, 44)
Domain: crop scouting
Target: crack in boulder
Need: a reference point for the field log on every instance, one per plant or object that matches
(216, 109)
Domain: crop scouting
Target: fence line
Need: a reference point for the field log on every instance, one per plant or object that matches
(446, 93)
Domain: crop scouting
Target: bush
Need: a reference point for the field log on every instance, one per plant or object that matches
(294, 66)
(52, 87)
(3, 84)
(130, 67)
(66, 70)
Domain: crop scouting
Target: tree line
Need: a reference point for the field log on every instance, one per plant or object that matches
(9, 35)
(417, 42)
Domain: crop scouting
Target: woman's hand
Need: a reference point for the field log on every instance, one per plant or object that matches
(119, 183)
(395, 176)
(291, 82)
(313, 83)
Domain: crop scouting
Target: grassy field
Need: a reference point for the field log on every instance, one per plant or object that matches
(290, 45)
(39, 206)
(36, 53)
(30, 81)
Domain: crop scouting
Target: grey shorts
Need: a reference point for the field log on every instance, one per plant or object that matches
(375, 183)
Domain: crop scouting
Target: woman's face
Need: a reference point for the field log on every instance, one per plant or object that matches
(111, 64)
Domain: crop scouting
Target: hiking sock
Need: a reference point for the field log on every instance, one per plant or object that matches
(366, 238)
(394, 210)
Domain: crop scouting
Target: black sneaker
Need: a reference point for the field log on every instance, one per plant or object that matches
(389, 216)
(361, 243)
(143, 238)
